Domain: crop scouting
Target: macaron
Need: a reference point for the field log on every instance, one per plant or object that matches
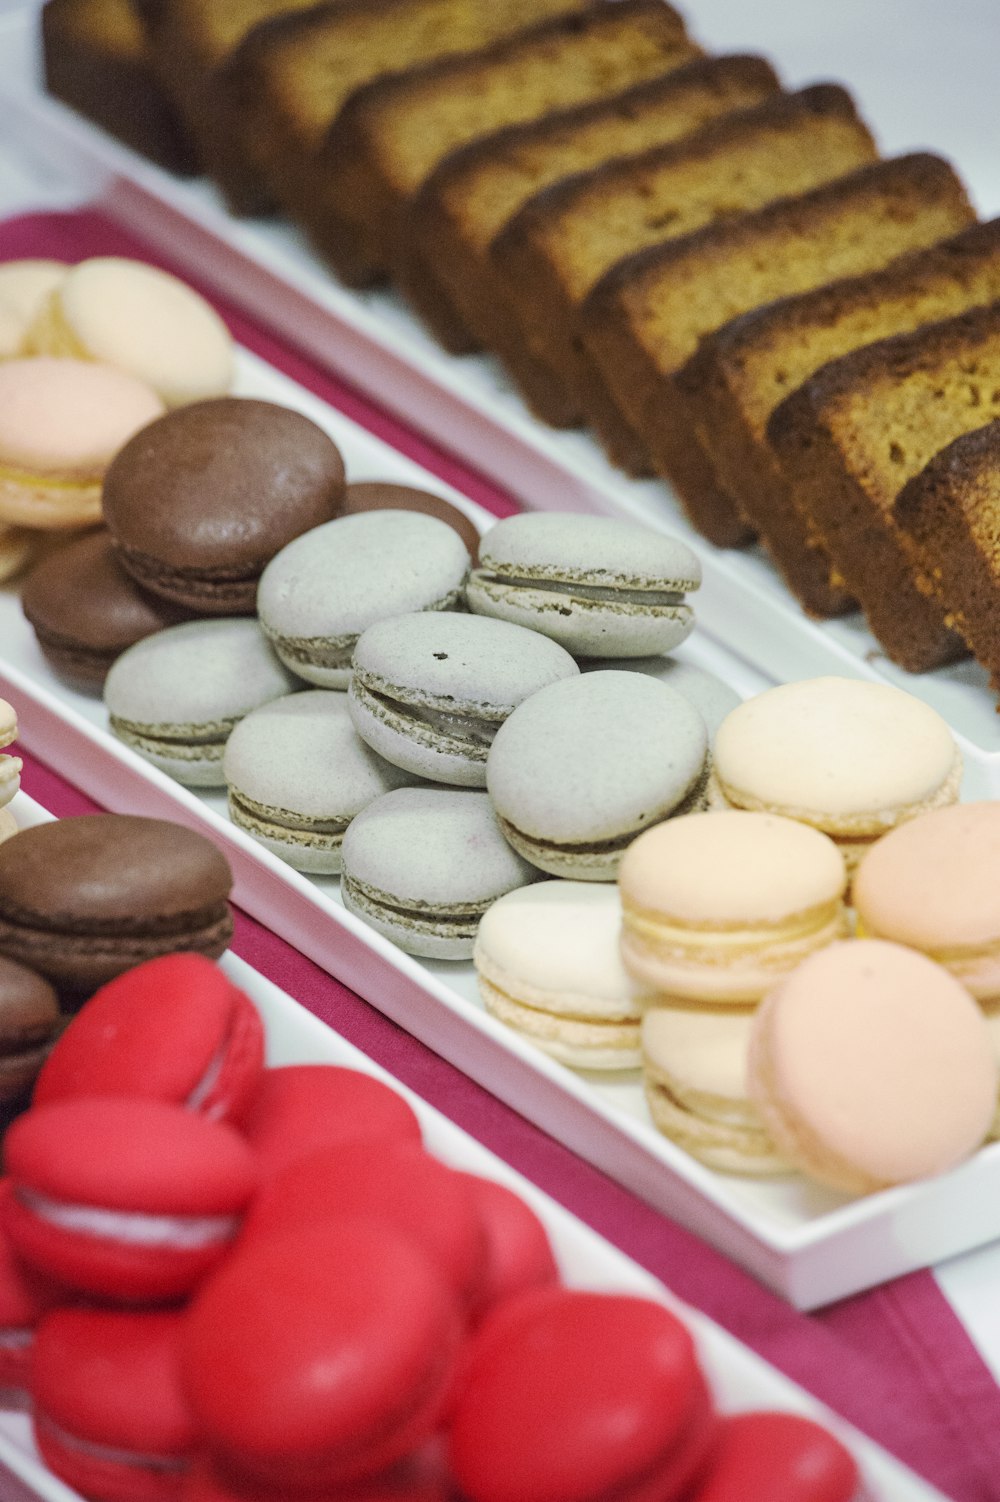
(872, 1066)
(587, 1397)
(29, 1025)
(110, 1417)
(422, 865)
(584, 765)
(129, 1200)
(761, 1456)
(852, 758)
(25, 1296)
(383, 495)
(174, 1029)
(418, 1478)
(176, 696)
(429, 690)
(694, 1067)
(24, 287)
(548, 964)
(397, 1183)
(321, 591)
(83, 899)
(201, 500)
(10, 766)
(142, 320)
(321, 1356)
(297, 774)
(61, 423)
(298, 1109)
(717, 906)
(706, 691)
(600, 586)
(517, 1253)
(85, 610)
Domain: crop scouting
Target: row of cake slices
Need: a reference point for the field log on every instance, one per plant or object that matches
(721, 277)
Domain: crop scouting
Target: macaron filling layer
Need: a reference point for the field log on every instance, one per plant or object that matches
(467, 734)
(33, 501)
(459, 921)
(177, 742)
(334, 652)
(132, 1227)
(277, 823)
(629, 592)
(110, 1454)
(230, 585)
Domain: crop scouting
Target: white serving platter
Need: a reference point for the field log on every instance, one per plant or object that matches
(808, 1244)
(936, 93)
(739, 1379)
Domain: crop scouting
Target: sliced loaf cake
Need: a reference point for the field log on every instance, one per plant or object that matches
(852, 436)
(645, 318)
(740, 374)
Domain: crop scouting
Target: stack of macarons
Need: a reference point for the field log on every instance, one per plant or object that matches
(287, 1296)
(89, 354)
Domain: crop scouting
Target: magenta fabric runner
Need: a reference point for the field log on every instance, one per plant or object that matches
(895, 1361)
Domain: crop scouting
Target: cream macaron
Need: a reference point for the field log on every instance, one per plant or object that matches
(10, 766)
(717, 906)
(61, 423)
(24, 287)
(694, 1062)
(872, 1066)
(549, 966)
(141, 319)
(849, 757)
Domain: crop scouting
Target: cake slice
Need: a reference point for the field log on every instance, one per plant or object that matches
(553, 251)
(282, 86)
(645, 318)
(391, 135)
(98, 60)
(467, 200)
(852, 436)
(950, 512)
(738, 375)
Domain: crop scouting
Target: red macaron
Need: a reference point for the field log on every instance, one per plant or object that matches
(418, 1478)
(320, 1357)
(127, 1199)
(24, 1298)
(567, 1396)
(299, 1107)
(763, 1456)
(110, 1418)
(517, 1254)
(174, 1029)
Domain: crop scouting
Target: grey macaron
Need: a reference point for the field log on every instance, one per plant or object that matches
(430, 690)
(600, 586)
(423, 864)
(176, 696)
(709, 694)
(582, 767)
(321, 591)
(297, 774)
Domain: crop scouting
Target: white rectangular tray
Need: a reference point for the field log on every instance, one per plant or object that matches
(939, 95)
(808, 1244)
(739, 1379)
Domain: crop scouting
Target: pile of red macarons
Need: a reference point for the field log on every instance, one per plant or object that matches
(223, 1282)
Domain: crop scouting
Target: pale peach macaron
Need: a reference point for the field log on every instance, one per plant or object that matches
(548, 965)
(717, 906)
(61, 423)
(934, 885)
(871, 1066)
(142, 320)
(849, 757)
(24, 287)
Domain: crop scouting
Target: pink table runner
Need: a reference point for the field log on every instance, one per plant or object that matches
(895, 1361)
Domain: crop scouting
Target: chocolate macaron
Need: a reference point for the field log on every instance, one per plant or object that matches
(29, 1022)
(204, 498)
(82, 900)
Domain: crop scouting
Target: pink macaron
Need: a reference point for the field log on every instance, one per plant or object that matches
(393, 1181)
(322, 1356)
(764, 1457)
(110, 1417)
(174, 1029)
(569, 1396)
(127, 1199)
(300, 1107)
(518, 1253)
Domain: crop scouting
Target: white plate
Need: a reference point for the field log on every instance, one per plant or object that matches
(739, 1379)
(923, 76)
(808, 1244)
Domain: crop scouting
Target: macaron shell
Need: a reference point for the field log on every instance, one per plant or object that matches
(29, 1023)
(872, 1066)
(763, 1455)
(300, 1108)
(932, 884)
(65, 419)
(576, 1042)
(382, 495)
(851, 757)
(712, 698)
(24, 287)
(142, 320)
(518, 1254)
